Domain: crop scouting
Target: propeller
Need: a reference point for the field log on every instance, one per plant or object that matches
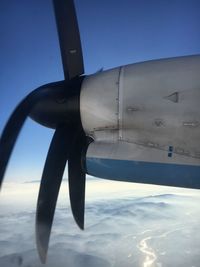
(56, 105)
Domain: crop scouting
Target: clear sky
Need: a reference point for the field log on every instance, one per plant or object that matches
(113, 33)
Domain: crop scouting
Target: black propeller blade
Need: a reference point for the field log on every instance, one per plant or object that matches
(50, 185)
(69, 38)
(69, 144)
(76, 177)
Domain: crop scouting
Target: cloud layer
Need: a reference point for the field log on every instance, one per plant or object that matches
(117, 229)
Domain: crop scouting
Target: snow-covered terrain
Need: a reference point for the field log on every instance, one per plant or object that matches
(126, 225)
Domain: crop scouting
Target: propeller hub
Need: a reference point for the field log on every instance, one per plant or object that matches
(64, 108)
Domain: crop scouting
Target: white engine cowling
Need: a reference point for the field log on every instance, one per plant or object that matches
(150, 107)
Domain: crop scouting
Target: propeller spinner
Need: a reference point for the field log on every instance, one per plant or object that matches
(56, 105)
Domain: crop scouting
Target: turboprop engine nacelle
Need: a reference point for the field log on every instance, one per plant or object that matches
(144, 113)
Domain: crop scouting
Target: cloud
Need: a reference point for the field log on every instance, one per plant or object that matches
(58, 256)
(113, 228)
(13, 260)
(32, 182)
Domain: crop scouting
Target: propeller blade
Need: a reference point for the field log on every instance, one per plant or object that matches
(17, 119)
(49, 188)
(10, 134)
(76, 179)
(69, 38)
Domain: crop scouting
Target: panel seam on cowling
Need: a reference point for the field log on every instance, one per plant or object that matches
(120, 103)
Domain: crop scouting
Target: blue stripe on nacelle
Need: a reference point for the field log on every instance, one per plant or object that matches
(145, 172)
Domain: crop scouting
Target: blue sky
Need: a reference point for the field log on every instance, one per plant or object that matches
(113, 33)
